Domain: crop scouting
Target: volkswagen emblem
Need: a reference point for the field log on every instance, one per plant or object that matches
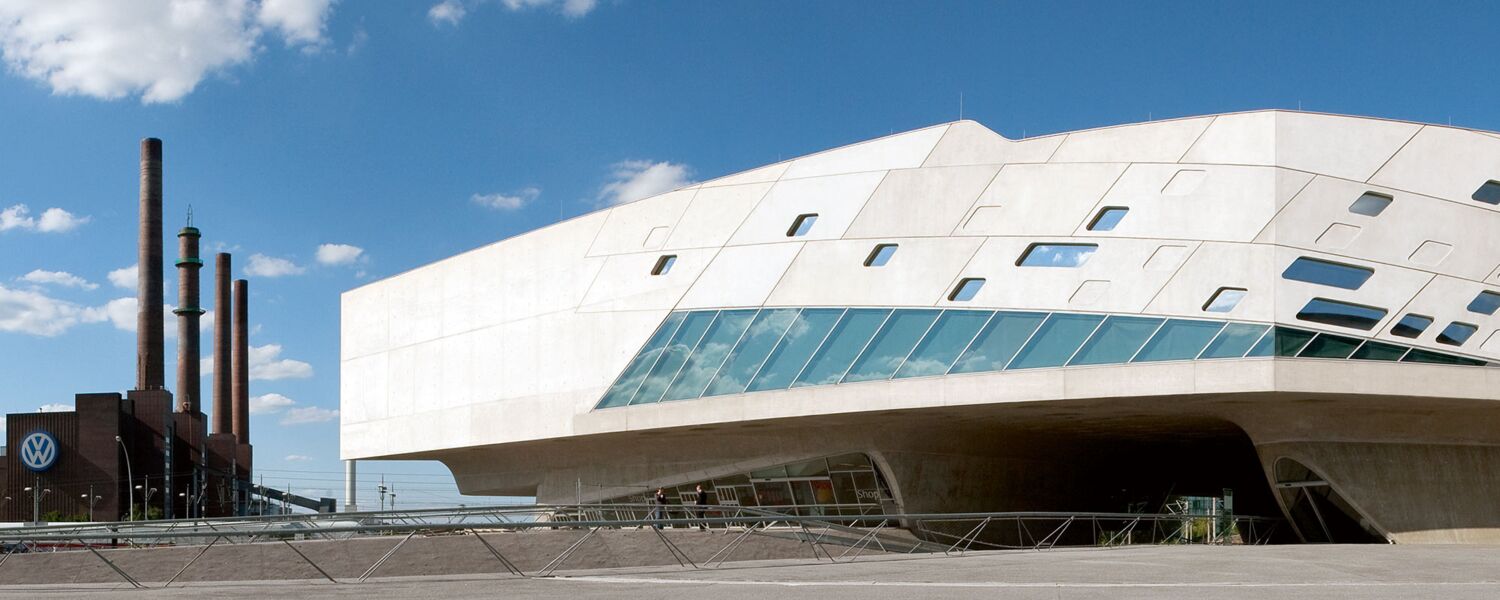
(39, 451)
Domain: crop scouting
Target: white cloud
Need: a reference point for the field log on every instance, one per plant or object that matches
(298, 458)
(636, 179)
(447, 12)
(46, 408)
(62, 278)
(571, 8)
(308, 414)
(512, 201)
(266, 364)
(53, 220)
(270, 266)
(35, 313)
(300, 22)
(127, 277)
(339, 254)
(269, 403)
(157, 49)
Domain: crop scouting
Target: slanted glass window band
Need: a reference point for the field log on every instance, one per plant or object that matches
(1329, 273)
(1341, 314)
(707, 353)
(1056, 255)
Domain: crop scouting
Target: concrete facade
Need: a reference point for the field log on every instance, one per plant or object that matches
(495, 361)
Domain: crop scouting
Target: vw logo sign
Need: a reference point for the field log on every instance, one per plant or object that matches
(39, 451)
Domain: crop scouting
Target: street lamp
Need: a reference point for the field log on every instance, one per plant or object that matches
(130, 477)
(36, 503)
(92, 500)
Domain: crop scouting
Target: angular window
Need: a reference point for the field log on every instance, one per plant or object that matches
(1116, 341)
(1485, 303)
(664, 264)
(880, 255)
(847, 340)
(1341, 314)
(1179, 339)
(624, 388)
(746, 358)
(1225, 300)
(1234, 341)
(1329, 346)
(1281, 341)
(942, 345)
(1456, 333)
(1489, 193)
(801, 339)
(1411, 326)
(1424, 356)
(672, 358)
(1370, 204)
(966, 289)
(802, 224)
(1056, 341)
(891, 345)
(1108, 218)
(1056, 255)
(1329, 273)
(999, 341)
(709, 355)
(1373, 350)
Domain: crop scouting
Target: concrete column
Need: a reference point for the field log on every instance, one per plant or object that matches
(240, 379)
(149, 374)
(222, 422)
(189, 386)
(350, 483)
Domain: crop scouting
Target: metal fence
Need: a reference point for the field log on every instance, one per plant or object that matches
(848, 531)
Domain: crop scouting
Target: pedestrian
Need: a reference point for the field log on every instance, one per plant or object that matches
(660, 512)
(702, 504)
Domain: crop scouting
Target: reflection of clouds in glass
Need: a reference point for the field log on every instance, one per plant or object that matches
(923, 366)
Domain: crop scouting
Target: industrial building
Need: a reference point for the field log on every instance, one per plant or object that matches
(149, 453)
(1294, 310)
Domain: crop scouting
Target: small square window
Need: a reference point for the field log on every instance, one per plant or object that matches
(966, 289)
(1486, 303)
(1108, 218)
(802, 225)
(1370, 205)
(1456, 334)
(1056, 255)
(880, 255)
(1489, 193)
(1225, 300)
(1411, 326)
(664, 264)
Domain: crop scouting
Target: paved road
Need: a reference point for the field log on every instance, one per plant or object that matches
(1157, 572)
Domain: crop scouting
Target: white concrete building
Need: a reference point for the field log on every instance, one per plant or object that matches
(1300, 307)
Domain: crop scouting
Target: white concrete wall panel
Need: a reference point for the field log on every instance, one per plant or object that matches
(832, 273)
(901, 151)
(626, 283)
(921, 202)
(1118, 261)
(714, 215)
(1043, 199)
(766, 174)
(1445, 300)
(1226, 203)
(1444, 162)
(1338, 146)
(836, 200)
(1239, 139)
(1160, 141)
(1212, 266)
(969, 143)
(741, 276)
(630, 225)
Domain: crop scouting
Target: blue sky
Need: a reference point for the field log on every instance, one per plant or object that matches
(393, 134)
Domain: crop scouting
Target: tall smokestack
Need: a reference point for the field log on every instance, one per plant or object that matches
(149, 373)
(241, 360)
(223, 372)
(188, 311)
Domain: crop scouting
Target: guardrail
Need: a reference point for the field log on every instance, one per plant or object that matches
(860, 531)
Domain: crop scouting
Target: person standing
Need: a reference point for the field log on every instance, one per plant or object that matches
(661, 507)
(702, 504)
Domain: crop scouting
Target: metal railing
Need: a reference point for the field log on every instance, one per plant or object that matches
(858, 532)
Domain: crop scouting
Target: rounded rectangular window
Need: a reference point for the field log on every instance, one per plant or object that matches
(1456, 333)
(1056, 255)
(880, 255)
(1370, 204)
(802, 224)
(1489, 193)
(1341, 314)
(1485, 303)
(1108, 218)
(1225, 300)
(966, 289)
(1411, 326)
(664, 264)
(1329, 273)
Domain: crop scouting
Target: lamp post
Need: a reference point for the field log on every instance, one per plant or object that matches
(129, 477)
(92, 500)
(36, 501)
